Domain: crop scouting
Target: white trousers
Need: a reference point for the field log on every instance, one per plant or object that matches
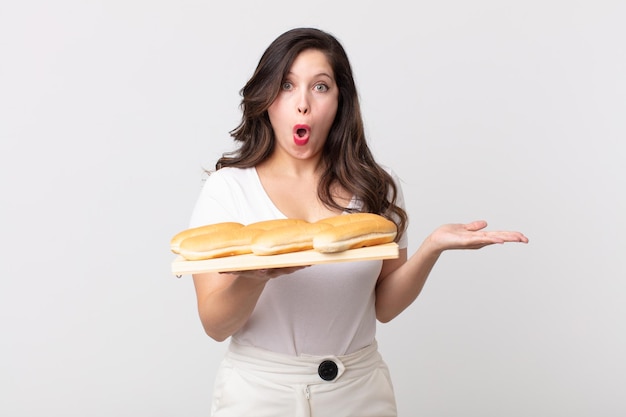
(253, 382)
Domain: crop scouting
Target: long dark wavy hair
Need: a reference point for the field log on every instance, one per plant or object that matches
(347, 160)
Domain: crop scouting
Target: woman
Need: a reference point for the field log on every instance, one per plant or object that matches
(303, 339)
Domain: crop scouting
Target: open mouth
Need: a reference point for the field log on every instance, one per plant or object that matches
(301, 134)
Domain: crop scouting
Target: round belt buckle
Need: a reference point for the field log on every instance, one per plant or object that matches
(328, 370)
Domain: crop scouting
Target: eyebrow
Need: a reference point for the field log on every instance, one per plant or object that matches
(321, 74)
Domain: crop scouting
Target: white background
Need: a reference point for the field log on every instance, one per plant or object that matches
(511, 112)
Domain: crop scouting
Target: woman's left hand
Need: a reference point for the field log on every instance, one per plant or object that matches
(471, 236)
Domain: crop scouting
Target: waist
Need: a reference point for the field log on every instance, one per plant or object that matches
(307, 369)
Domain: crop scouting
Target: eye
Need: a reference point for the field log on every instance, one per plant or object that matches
(321, 88)
(286, 85)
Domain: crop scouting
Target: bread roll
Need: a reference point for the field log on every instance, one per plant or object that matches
(285, 239)
(218, 244)
(369, 231)
(229, 241)
(201, 230)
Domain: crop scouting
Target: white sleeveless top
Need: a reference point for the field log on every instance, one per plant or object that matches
(320, 310)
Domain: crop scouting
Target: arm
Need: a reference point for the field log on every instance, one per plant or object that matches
(402, 280)
(226, 301)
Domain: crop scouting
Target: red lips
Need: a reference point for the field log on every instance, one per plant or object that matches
(301, 134)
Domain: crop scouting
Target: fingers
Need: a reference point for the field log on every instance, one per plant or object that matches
(476, 225)
(266, 274)
(508, 236)
(516, 237)
(500, 236)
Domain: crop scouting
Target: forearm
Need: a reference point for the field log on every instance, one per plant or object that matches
(396, 291)
(225, 309)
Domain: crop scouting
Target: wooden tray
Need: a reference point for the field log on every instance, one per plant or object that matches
(181, 266)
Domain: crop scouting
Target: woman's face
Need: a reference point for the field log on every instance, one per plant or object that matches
(305, 108)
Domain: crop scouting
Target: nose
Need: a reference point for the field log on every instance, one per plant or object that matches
(303, 104)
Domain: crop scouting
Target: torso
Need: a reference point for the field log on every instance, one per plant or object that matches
(294, 313)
